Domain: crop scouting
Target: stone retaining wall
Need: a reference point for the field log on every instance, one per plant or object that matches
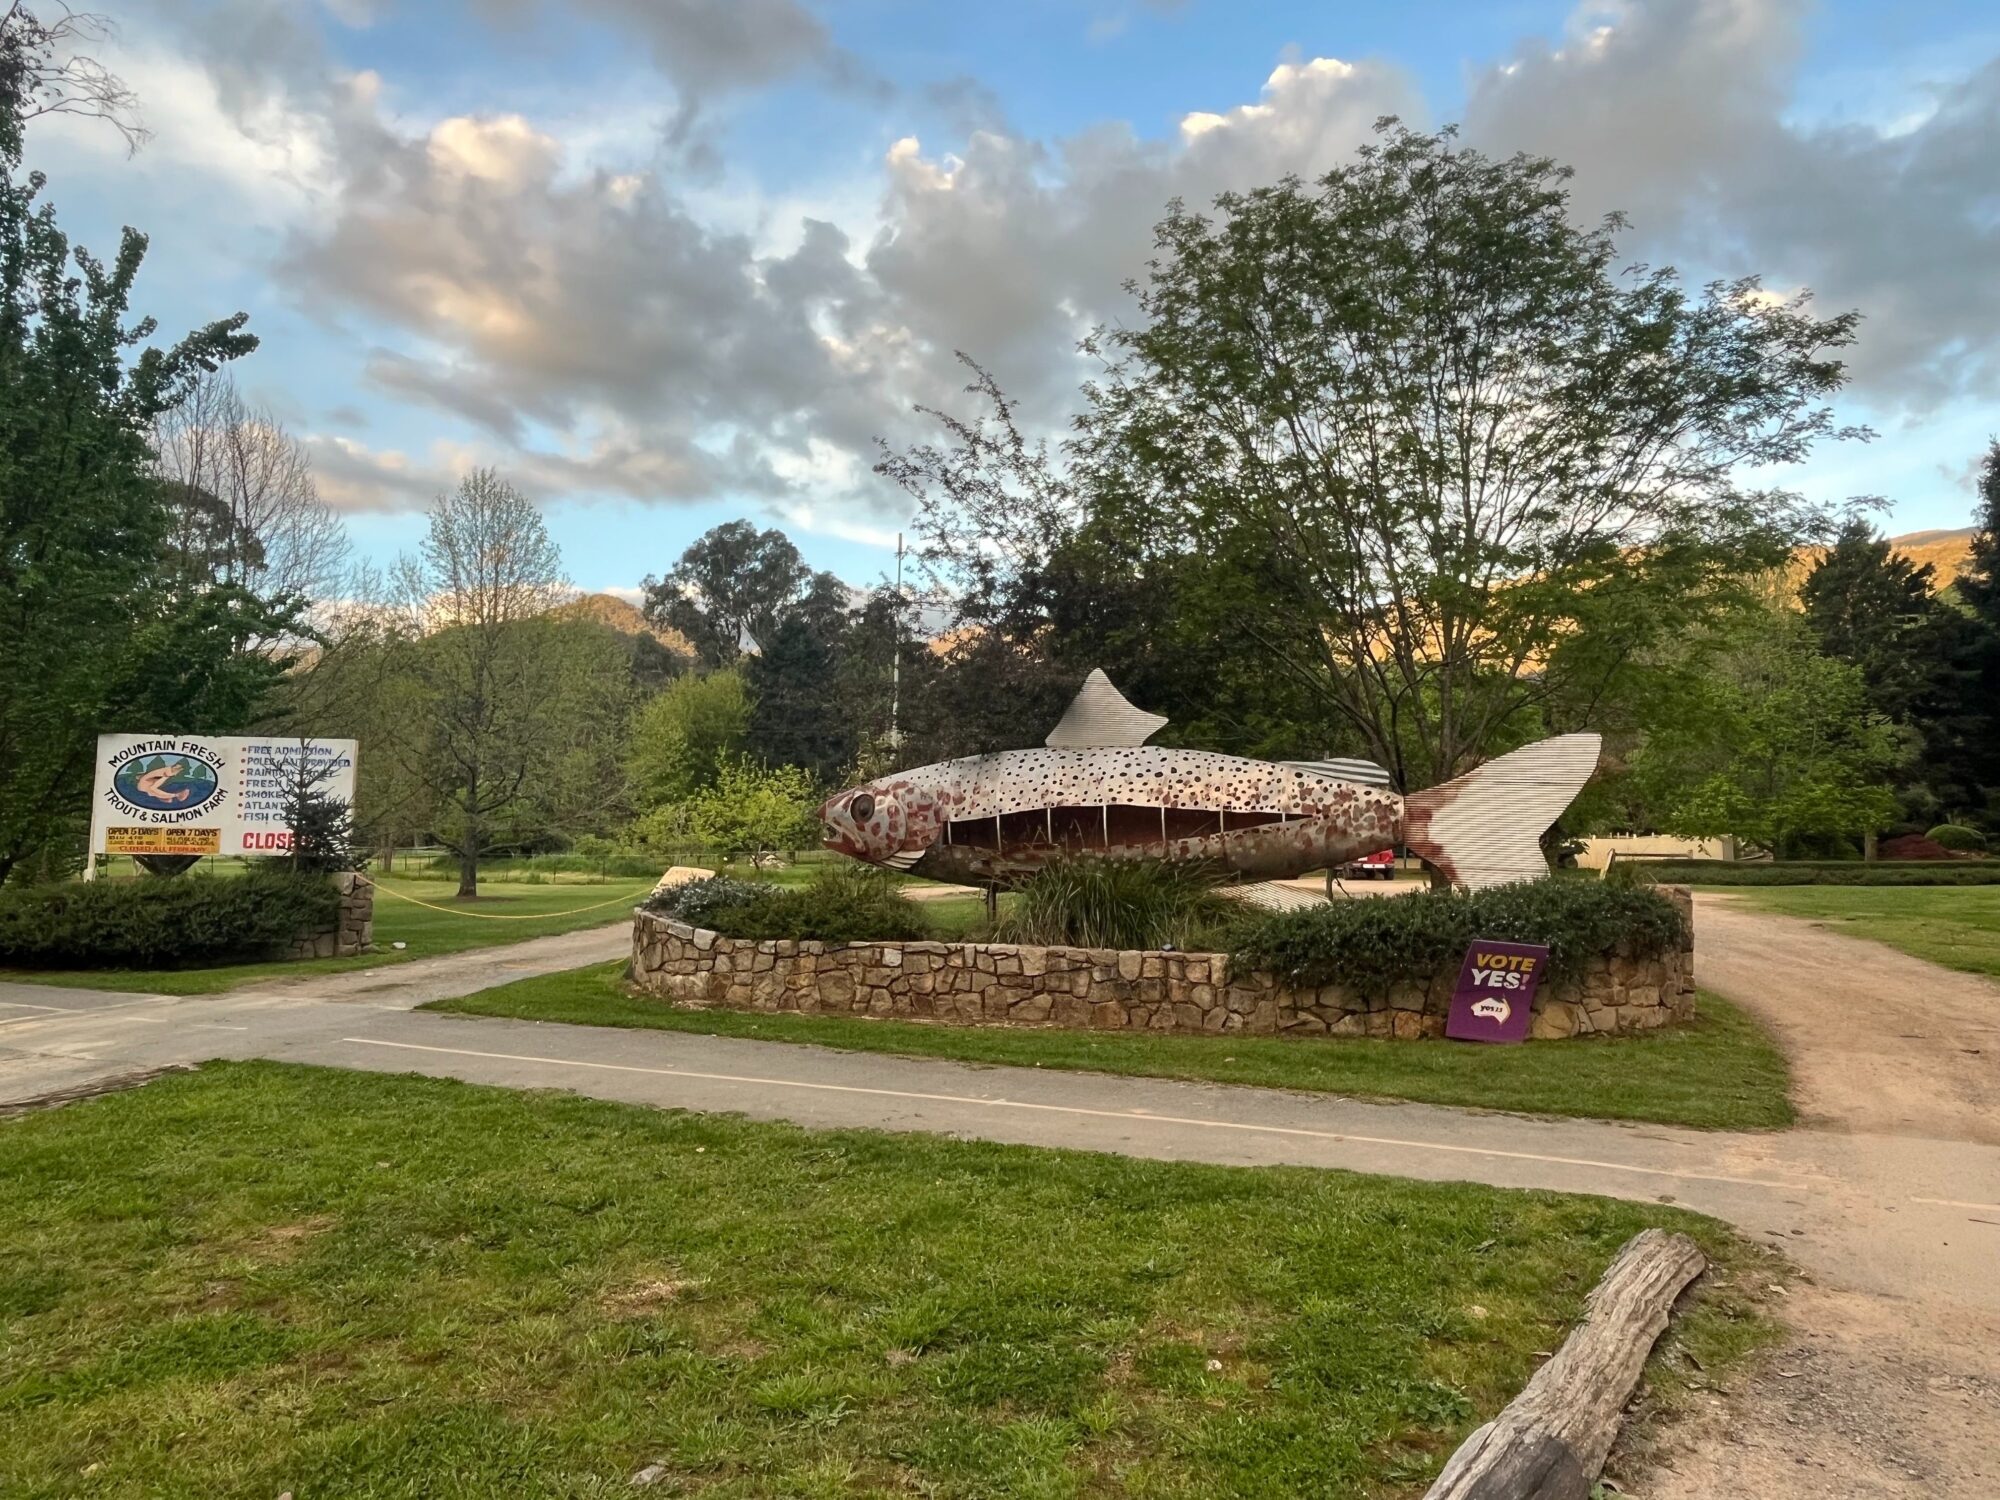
(353, 929)
(1107, 990)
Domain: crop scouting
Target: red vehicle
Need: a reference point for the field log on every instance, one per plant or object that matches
(1381, 865)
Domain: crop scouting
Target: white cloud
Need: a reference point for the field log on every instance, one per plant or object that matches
(552, 278)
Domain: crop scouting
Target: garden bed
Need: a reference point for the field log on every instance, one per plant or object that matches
(1620, 986)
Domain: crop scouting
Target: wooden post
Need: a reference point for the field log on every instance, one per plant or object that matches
(1550, 1441)
(992, 902)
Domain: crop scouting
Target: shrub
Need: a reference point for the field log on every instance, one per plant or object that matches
(696, 901)
(1808, 872)
(842, 904)
(1957, 836)
(1110, 903)
(1372, 945)
(153, 923)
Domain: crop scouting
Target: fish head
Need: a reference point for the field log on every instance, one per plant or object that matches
(877, 821)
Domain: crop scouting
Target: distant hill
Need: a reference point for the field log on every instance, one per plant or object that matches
(609, 609)
(1948, 553)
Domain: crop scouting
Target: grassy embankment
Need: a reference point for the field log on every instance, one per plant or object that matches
(1720, 1072)
(261, 1279)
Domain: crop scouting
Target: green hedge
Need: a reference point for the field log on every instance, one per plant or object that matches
(1370, 945)
(1956, 836)
(843, 904)
(1811, 872)
(161, 923)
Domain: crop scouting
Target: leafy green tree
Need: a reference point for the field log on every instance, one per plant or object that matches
(1771, 742)
(683, 736)
(1424, 444)
(93, 636)
(752, 809)
(583, 786)
(732, 588)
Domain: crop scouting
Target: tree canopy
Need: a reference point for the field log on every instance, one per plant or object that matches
(94, 631)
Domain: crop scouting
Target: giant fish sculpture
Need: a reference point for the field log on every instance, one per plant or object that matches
(1099, 789)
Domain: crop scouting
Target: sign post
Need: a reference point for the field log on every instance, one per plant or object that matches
(202, 794)
(1496, 987)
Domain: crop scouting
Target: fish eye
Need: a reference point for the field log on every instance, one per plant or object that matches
(862, 808)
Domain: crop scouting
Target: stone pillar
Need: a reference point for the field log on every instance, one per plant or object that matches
(354, 929)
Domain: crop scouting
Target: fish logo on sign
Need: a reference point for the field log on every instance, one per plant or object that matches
(166, 783)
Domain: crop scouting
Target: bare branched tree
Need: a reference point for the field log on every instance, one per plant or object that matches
(46, 69)
(246, 510)
(478, 596)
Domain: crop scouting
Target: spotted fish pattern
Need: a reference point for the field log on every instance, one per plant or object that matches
(1000, 817)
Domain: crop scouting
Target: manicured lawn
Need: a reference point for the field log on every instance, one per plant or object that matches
(503, 914)
(1957, 926)
(1721, 1072)
(262, 1278)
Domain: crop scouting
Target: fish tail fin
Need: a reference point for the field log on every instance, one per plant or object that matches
(1486, 827)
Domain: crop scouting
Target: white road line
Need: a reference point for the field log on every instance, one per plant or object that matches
(1957, 1203)
(23, 1005)
(1137, 1117)
(75, 1012)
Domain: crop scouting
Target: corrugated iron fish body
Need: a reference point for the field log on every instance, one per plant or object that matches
(1098, 789)
(997, 817)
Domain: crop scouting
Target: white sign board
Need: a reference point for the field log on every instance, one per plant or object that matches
(200, 794)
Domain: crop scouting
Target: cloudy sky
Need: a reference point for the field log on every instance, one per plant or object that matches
(667, 262)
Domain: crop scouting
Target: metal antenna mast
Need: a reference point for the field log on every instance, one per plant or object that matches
(896, 657)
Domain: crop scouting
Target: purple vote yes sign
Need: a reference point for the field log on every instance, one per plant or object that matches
(1496, 986)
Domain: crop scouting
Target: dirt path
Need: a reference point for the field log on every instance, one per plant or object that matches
(1880, 1043)
(1876, 1395)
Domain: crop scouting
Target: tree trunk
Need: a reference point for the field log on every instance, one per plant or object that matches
(468, 863)
(1550, 1442)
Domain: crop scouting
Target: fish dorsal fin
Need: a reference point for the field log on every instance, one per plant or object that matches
(1100, 717)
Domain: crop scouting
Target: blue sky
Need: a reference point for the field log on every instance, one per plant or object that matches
(668, 262)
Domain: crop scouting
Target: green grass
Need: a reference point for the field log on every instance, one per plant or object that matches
(264, 1278)
(543, 910)
(1958, 927)
(1719, 1072)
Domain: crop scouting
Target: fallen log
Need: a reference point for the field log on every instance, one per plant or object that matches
(1551, 1440)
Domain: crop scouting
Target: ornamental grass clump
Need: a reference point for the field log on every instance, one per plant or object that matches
(1369, 946)
(1107, 903)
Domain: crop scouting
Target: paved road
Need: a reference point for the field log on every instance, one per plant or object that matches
(1877, 1211)
(1896, 1216)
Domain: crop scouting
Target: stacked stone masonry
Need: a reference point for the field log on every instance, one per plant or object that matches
(1103, 989)
(353, 930)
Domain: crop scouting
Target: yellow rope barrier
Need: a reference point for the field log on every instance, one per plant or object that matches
(629, 898)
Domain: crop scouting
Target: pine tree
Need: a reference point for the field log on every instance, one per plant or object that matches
(1872, 607)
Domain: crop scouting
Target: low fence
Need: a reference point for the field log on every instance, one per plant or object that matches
(1108, 990)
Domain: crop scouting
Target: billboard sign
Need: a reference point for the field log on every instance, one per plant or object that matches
(1496, 986)
(204, 794)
